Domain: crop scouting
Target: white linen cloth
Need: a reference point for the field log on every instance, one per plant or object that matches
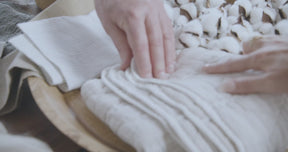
(50, 71)
(14, 69)
(68, 50)
(188, 112)
(15, 143)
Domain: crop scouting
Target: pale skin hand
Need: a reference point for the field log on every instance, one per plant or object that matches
(269, 55)
(140, 29)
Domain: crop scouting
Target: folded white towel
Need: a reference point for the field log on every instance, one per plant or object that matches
(49, 70)
(188, 112)
(69, 50)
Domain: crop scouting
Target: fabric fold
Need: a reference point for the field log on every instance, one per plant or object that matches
(17, 67)
(50, 72)
(67, 51)
(188, 111)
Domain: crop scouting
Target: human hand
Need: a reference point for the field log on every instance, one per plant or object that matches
(269, 55)
(140, 29)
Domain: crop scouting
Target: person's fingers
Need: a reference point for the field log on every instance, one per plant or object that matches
(120, 40)
(169, 42)
(258, 43)
(137, 38)
(248, 85)
(239, 64)
(154, 34)
(252, 45)
(280, 81)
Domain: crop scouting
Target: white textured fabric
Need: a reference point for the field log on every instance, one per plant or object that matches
(15, 143)
(75, 48)
(188, 112)
(2, 44)
(50, 71)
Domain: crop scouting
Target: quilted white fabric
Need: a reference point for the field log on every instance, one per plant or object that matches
(188, 112)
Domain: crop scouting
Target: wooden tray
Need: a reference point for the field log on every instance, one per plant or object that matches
(67, 111)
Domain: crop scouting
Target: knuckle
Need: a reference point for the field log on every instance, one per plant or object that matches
(136, 12)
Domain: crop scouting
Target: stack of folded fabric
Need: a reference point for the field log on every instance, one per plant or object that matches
(68, 50)
(188, 112)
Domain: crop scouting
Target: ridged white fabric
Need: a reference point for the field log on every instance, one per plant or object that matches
(188, 112)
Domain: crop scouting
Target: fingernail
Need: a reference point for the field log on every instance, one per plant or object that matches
(171, 68)
(148, 75)
(206, 67)
(228, 86)
(163, 75)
